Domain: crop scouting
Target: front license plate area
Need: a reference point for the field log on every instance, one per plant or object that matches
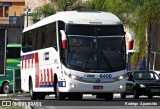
(155, 90)
(97, 87)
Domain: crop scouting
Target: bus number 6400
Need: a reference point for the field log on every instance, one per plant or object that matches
(105, 76)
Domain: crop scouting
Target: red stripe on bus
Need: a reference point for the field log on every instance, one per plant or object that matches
(25, 61)
(41, 77)
(28, 61)
(37, 69)
(48, 76)
(22, 61)
(52, 77)
(32, 60)
(44, 76)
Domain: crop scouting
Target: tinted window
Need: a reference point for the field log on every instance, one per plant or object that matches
(13, 52)
(109, 30)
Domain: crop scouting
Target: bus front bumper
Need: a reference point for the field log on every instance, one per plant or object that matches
(72, 85)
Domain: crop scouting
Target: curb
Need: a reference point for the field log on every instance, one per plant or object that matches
(15, 95)
(27, 95)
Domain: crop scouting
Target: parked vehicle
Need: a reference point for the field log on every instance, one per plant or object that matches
(142, 83)
(11, 78)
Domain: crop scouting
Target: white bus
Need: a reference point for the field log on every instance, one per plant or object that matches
(74, 53)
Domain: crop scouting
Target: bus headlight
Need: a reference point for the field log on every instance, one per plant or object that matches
(121, 77)
(121, 86)
(73, 77)
(73, 86)
(142, 86)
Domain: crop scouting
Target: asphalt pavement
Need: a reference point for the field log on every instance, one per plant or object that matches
(88, 102)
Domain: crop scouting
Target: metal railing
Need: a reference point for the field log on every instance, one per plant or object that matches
(154, 61)
(14, 77)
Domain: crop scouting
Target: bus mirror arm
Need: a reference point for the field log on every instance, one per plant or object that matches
(64, 39)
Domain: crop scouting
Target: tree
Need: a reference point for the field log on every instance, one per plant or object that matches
(57, 5)
(138, 15)
(146, 16)
(42, 12)
(65, 5)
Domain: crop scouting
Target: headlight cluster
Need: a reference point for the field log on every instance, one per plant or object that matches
(73, 76)
(121, 77)
(142, 86)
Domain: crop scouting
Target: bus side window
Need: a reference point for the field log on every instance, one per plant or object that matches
(43, 38)
(29, 42)
(52, 35)
(34, 39)
(39, 39)
(24, 42)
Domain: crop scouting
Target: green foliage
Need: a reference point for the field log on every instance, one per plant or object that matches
(137, 15)
(97, 5)
(65, 5)
(57, 5)
(42, 12)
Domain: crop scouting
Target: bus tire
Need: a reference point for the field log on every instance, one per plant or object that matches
(123, 95)
(41, 96)
(135, 94)
(59, 95)
(109, 96)
(76, 96)
(150, 96)
(33, 95)
(6, 88)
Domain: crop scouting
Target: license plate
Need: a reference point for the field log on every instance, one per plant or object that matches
(155, 90)
(97, 87)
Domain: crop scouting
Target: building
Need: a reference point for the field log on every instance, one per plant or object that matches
(11, 7)
(35, 3)
(11, 18)
(30, 5)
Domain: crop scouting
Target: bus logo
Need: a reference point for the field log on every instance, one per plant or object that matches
(98, 81)
(46, 56)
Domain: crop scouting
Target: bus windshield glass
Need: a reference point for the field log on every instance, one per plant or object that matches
(94, 49)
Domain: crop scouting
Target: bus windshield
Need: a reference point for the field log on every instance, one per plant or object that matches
(99, 52)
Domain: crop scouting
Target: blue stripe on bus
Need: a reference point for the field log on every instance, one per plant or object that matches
(60, 84)
(27, 56)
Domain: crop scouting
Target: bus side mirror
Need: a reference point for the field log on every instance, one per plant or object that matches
(64, 39)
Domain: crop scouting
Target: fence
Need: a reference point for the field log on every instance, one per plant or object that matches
(155, 61)
(15, 79)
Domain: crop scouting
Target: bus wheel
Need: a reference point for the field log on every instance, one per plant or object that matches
(109, 96)
(59, 95)
(76, 96)
(6, 88)
(33, 95)
(41, 96)
(135, 94)
(150, 96)
(123, 95)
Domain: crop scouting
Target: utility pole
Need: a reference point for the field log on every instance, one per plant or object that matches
(148, 48)
(27, 9)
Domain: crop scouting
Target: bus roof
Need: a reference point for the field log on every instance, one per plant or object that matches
(79, 17)
(13, 45)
